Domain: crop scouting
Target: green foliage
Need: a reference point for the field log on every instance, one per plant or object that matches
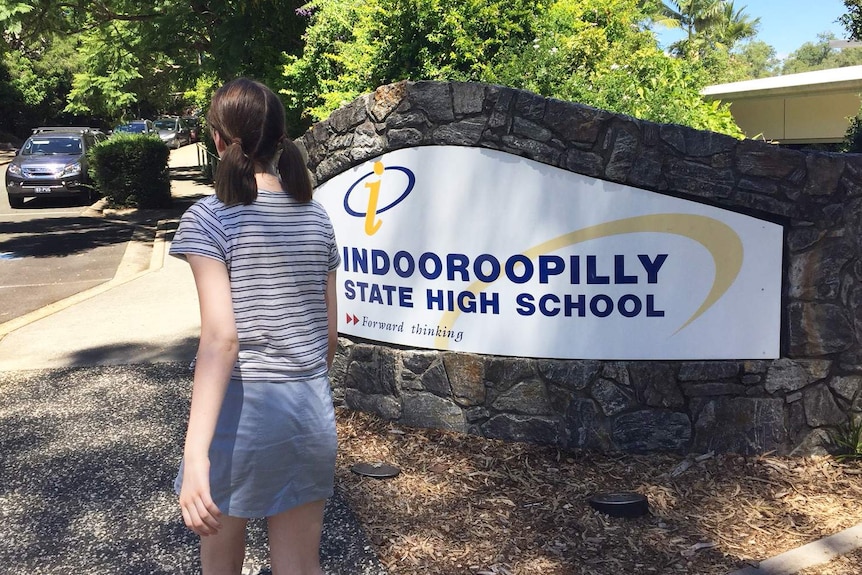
(139, 59)
(131, 170)
(853, 137)
(847, 440)
(852, 20)
(597, 52)
(821, 56)
(755, 59)
(353, 46)
(709, 25)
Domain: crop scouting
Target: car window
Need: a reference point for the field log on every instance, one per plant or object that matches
(166, 124)
(132, 128)
(51, 145)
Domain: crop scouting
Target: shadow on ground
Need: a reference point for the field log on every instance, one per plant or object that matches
(87, 462)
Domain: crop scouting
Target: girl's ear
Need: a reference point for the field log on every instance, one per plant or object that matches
(219, 143)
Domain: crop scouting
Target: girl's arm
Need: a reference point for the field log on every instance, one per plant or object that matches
(331, 317)
(217, 354)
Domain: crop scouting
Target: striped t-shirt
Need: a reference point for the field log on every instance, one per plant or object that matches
(278, 253)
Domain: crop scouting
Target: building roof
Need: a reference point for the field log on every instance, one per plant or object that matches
(817, 82)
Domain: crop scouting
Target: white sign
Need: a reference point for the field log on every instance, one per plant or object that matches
(470, 249)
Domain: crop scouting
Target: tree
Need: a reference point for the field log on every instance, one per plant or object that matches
(755, 59)
(709, 25)
(146, 56)
(852, 20)
(820, 55)
(597, 52)
(353, 46)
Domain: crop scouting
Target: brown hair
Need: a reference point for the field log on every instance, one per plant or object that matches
(249, 118)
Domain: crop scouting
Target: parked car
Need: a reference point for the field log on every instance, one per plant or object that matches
(136, 127)
(52, 162)
(173, 131)
(194, 125)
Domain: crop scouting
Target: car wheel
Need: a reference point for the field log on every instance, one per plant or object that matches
(16, 202)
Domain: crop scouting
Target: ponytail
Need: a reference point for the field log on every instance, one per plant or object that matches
(249, 118)
(294, 172)
(234, 178)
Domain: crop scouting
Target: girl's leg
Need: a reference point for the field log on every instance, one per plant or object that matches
(294, 540)
(224, 552)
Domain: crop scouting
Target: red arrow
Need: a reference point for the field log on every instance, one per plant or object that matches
(350, 318)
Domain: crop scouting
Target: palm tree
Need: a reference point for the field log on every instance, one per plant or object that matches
(734, 26)
(707, 23)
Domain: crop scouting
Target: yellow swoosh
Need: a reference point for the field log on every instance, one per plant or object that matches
(718, 238)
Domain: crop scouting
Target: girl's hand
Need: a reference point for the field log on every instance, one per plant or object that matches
(200, 513)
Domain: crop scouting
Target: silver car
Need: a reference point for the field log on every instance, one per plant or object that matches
(173, 131)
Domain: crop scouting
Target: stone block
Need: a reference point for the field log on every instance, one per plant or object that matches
(576, 123)
(816, 273)
(790, 375)
(824, 172)
(386, 99)
(526, 397)
(530, 106)
(429, 410)
(652, 430)
(712, 388)
(349, 116)
(433, 98)
(656, 384)
(403, 138)
(624, 151)
(586, 163)
(574, 375)
(523, 428)
(760, 159)
(585, 426)
(464, 133)
(818, 329)
(466, 376)
(820, 407)
(385, 406)
(611, 398)
(707, 370)
(699, 180)
(531, 130)
(741, 425)
(436, 381)
(847, 387)
(372, 371)
(468, 98)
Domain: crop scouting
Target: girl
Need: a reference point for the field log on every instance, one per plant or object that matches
(261, 433)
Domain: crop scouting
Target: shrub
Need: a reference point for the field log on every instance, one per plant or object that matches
(847, 440)
(131, 170)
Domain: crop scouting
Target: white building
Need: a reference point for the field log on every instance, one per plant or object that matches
(807, 108)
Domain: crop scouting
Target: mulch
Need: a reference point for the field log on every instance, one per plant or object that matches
(467, 505)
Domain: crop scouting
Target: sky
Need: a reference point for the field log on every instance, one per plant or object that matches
(784, 24)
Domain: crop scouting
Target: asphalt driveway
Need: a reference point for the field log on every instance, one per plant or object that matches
(87, 461)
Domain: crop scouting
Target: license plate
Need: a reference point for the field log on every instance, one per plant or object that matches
(43, 190)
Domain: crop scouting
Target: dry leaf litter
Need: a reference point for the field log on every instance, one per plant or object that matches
(468, 505)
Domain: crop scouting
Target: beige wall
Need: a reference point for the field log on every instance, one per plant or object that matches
(796, 119)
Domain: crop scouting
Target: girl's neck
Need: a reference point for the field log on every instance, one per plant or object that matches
(267, 181)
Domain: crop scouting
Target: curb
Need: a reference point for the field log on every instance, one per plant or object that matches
(814, 553)
(157, 259)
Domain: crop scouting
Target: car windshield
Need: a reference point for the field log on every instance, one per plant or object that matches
(132, 128)
(52, 145)
(165, 124)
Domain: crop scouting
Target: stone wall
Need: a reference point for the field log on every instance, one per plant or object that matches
(786, 405)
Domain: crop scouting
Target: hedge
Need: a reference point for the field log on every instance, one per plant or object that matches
(131, 170)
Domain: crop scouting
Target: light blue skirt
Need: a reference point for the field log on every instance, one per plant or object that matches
(274, 448)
